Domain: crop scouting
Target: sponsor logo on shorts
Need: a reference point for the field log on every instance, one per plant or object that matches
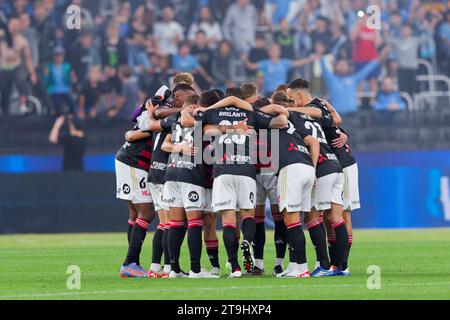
(126, 189)
(171, 200)
(224, 203)
(193, 196)
(296, 205)
(145, 193)
(252, 197)
(324, 203)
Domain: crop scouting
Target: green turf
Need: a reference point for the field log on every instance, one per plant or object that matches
(414, 264)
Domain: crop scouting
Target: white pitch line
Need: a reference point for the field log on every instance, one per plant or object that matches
(81, 293)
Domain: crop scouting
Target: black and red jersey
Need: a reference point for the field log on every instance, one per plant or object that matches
(328, 162)
(186, 168)
(332, 132)
(232, 151)
(157, 170)
(137, 154)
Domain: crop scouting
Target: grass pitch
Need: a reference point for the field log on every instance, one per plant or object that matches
(414, 264)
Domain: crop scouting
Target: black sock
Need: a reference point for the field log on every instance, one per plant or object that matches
(298, 242)
(292, 256)
(340, 230)
(280, 238)
(249, 229)
(260, 240)
(136, 240)
(194, 240)
(231, 245)
(130, 228)
(165, 244)
(212, 248)
(319, 240)
(332, 251)
(350, 242)
(176, 237)
(157, 248)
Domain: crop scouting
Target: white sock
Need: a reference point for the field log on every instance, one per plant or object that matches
(302, 267)
(167, 268)
(292, 266)
(279, 262)
(155, 267)
(259, 263)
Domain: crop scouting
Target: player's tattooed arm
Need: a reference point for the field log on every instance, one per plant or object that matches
(134, 135)
(232, 101)
(169, 147)
(314, 149)
(279, 122)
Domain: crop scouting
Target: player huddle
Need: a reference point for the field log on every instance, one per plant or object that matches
(191, 158)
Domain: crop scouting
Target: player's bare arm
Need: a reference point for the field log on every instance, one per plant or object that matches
(169, 147)
(314, 149)
(135, 135)
(312, 112)
(275, 109)
(162, 113)
(232, 101)
(279, 122)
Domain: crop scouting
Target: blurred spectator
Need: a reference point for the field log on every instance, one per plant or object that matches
(111, 89)
(129, 97)
(342, 84)
(365, 42)
(406, 48)
(211, 28)
(222, 66)
(275, 69)
(444, 37)
(184, 61)
(58, 78)
(113, 49)
(90, 94)
(139, 31)
(388, 99)
(204, 56)
(257, 53)
(276, 11)
(239, 25)
(168, 33)
(31, 35)
(322, 33)
(14, 53)
(82, 55)
(73, 141)
(285, 39)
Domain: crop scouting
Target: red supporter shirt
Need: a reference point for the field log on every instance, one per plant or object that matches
(364, 48)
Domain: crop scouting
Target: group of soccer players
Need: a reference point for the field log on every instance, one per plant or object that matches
(192, 157)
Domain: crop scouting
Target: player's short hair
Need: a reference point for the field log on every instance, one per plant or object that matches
(184, 77)
(248, 90)
(208, 98)
(234, 92)
(262, 102)
(282, 98)
(299, 84)
(282, 87)
(220, 93)
(182, 87)
(191, 100)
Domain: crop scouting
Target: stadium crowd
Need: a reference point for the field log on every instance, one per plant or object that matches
(124, 50)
